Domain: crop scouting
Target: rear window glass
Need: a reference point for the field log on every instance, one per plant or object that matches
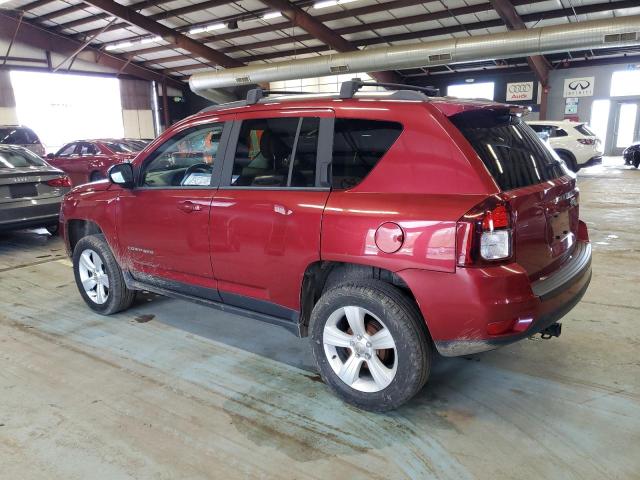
(358, 146)
(19, 159)
(584, 130)
(511, 151)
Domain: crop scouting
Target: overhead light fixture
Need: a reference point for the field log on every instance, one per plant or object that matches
(331, 3)
(150, 40)
(206, 28)
(118, 46)
(270, 15)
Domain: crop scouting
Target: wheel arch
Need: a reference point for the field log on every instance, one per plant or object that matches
(77, 229)
(321, 276)
(568, 153)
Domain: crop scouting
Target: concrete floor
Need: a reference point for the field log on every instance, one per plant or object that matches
(173, 390)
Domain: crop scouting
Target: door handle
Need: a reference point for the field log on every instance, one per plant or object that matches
(188, 206)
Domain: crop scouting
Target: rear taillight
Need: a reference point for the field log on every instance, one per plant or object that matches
(485, 235)
(587, 141)
(60, 182)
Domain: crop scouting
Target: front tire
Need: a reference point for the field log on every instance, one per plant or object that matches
(370, 344)
(99, 277)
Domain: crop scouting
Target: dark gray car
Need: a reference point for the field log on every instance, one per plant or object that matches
(31, 190)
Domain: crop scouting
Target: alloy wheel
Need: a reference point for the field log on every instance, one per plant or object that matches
(360, 349)
(93, 276)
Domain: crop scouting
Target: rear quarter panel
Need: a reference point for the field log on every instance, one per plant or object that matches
(424, 183)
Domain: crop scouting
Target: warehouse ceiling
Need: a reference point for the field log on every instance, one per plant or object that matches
(172, 39)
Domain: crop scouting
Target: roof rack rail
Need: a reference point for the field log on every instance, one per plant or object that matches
(255, 94)
(349, 88)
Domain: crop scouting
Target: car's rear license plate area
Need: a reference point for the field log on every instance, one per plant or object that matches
(23, 190)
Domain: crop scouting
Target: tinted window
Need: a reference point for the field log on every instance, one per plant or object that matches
(19, 158)
(358, 145)
(14, 136)
(186, 159)
(31, 136)
(559, 132)
(67, 150)
(88, 149)
(511, 151)
(276, 152)
(584, 130)
(122, 147)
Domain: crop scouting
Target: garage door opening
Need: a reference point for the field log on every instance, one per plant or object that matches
(62, 108)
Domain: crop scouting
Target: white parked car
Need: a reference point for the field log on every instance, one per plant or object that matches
(574, 142)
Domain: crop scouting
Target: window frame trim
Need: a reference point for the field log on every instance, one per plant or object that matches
(323, 151)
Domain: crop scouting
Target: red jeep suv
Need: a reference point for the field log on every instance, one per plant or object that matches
(384, 225)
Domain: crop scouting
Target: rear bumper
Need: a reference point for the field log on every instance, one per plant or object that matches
(596, 160)
(465, 310)
(29, 213)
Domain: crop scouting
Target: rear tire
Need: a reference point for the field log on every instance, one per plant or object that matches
(570, 161)
(348, 323)
(99, 277)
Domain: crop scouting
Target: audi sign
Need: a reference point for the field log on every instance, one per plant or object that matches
(519, 92)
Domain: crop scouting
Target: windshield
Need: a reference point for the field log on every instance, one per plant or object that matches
(121, 147)
(509, 148)
(19, 159)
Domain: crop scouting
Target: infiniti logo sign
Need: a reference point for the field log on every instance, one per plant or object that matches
(578, 87)
(579, 84)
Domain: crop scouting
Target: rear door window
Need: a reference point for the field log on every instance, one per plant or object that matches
(358, 146)
(511, 151)
(276, 152)
(87, 149)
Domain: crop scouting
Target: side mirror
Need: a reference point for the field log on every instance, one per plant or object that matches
(122, 174)
(50, 156)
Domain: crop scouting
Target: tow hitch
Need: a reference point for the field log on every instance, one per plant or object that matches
(553, 330)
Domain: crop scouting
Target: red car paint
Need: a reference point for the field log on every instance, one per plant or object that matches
(257, 244)
(83, 166)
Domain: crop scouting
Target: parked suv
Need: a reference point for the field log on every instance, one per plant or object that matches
(21, 136)
(574, 142)
(384, 225)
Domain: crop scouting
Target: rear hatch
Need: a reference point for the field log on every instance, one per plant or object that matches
(538, 187)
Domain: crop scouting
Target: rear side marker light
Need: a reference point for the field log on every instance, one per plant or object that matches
(59, 182)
